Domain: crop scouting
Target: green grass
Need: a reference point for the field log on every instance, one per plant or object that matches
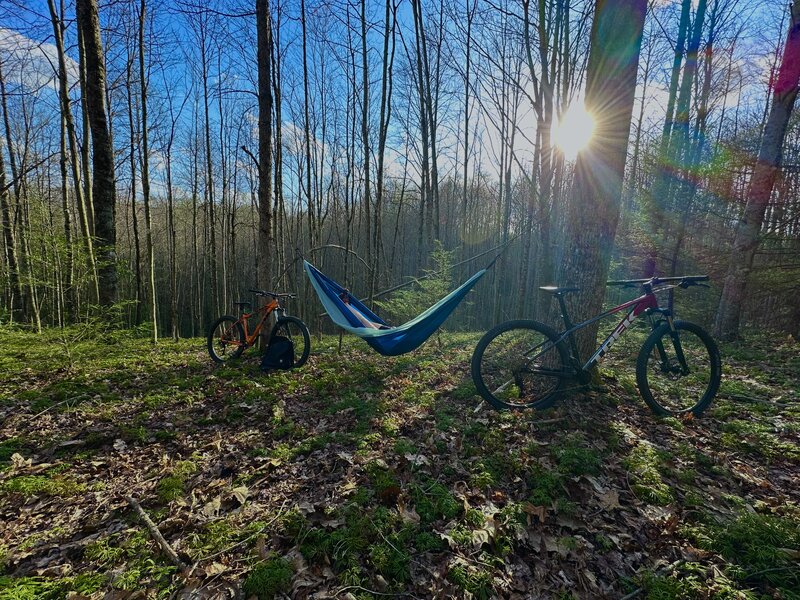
(268, 578)
(646, 465)
(757, 438)
(173, 486)
(388, 467)
(43, 588)
(433, 501)
(475, 580)
(761, 549)
(132, 559)
(575, 457)
(40, 485)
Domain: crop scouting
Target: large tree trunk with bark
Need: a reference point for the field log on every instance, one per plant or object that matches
(71, 138)
(765, 173)
(12, 262)
(103, 181)
(594, 211)
(265, 240)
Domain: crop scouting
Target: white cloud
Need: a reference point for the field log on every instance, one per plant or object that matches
(30, 63)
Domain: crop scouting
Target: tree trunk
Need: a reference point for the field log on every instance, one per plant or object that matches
(10, 244)
(68, 284)
(365, 134)
(103, 181)
(383, 131)
(69, 123)
(661, 182)
(307, 129)
(132, 148)
(173, 266)
(594, 211)
(148, 221)
(471, 7)
(265, 240)
(426, 201)
(280, 225)
(87, 210)
(765, 173)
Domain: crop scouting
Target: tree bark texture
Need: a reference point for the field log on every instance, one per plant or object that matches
(103, 180)
(765, 173)
(265, 239)
(594, 212)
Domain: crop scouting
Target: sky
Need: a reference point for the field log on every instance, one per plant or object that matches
(26, 36)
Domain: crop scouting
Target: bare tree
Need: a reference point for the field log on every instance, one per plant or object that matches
(148, 220)
(594, 211)
(69, 122)
(103, 179)
(748, 232)
(10, 242)
(265, 233)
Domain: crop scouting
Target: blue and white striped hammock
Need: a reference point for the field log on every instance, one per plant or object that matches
(354, 317)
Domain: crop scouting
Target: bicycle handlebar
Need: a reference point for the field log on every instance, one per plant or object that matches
(273, 294)
(683, 281)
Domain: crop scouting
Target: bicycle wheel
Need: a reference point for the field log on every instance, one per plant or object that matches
(226, 339)
(518, 364)
(294, 329)
(672, 386)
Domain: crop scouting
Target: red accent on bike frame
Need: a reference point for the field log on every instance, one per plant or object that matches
(640, 304)
(645, 302)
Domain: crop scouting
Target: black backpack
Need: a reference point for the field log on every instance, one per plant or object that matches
(279, 354)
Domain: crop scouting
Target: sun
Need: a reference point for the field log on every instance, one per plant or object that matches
(573, 131)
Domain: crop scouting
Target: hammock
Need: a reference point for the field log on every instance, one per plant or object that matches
(356, 318)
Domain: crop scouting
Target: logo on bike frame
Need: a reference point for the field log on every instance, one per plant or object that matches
(620, 329)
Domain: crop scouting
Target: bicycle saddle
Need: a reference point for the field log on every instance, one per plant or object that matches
(242, 303)
(552, 289)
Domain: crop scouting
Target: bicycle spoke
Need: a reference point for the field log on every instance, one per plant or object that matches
(680, 371)
(518, 367)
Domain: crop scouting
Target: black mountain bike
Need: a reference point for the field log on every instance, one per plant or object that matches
(527, 364)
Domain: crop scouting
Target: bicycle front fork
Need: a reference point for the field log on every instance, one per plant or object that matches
(676, 344)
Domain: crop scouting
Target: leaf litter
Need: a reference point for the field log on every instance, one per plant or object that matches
(336, 481)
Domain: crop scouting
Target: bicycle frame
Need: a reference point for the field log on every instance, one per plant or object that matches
(267, 309)
(646, 304)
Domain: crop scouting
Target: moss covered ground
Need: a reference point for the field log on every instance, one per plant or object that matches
(360, 476)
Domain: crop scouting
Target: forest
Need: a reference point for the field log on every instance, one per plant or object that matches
(160, 161)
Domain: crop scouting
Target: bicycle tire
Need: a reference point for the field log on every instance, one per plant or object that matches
(284, 327)
(233, 334)
(503, 364)
(658, 381)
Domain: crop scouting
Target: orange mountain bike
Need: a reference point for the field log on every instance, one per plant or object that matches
(228, 337)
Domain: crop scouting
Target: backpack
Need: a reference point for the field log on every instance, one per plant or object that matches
(279, 354)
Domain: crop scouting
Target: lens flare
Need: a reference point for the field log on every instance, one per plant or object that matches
(573, 131)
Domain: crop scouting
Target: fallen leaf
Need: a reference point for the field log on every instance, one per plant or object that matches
(417, 459)
(305, 508)
(408, 516)
(480, 537)
(535, 511)
(211, 509)
(19, 462)
(215, 568)
(240, 493)
(609, 500)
